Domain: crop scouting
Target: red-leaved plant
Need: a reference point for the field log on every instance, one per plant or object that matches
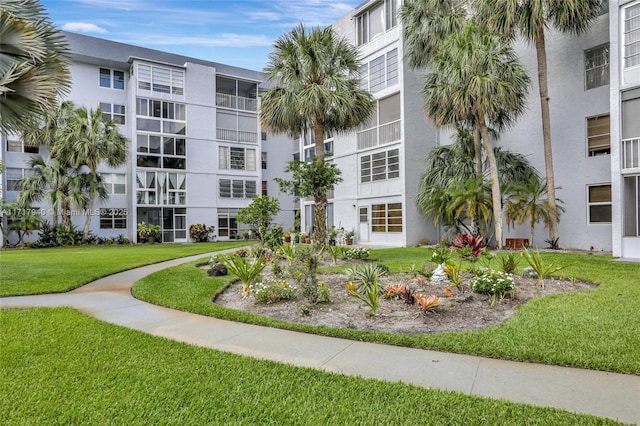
(468, 240)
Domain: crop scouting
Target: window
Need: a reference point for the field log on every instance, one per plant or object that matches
(14, 145)
(386, 217)
(598, 141)
(236, 94)
(111, 78)
(384, 125)
(161, 188)
(14, 176)
(599, 203)
(632, 36)
(263, 158)
(631, 206)
(596, 65)
(237, 188)
(381, 72)
(375, 21)
(115, 183)
(113, 112)
(264, 187)
(164, 152)
(113, 219)
(310, 152)
(235, 158)
(380, 166)
(160, 79)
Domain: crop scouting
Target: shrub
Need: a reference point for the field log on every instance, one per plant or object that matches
(369, 289)
(492, 282)
(245, 270)
(273, 291)
(542, 269)
(357, 253)
(509, 263)
(273, 238)
(441, 254)
(200, 233)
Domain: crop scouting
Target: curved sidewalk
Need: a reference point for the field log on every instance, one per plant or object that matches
(603, 394)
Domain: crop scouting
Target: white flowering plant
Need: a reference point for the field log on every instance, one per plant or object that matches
(357, 253)
(271, 292)
(493, 282)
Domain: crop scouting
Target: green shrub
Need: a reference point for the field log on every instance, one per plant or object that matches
(492, 282)
(509, 263)
(200, 233)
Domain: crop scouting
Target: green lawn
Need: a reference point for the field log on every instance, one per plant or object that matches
(58, 270)
(61, 367)
(596, 329)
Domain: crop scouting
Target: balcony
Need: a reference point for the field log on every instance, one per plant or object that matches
(386, 133)
(232, 135)
(236, 102)
(630, 153)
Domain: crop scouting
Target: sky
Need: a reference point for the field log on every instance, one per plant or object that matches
(233, 32)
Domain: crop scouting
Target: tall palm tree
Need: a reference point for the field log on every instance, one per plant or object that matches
(530, 18)
(529, 200)
(477, 78)
(88, 140)
(34, 59)
(63, 185)
(315, 77)
(469, 199)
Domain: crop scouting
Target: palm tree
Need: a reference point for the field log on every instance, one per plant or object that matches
(469, 199)
(448, 167)
(34, 68)
(63, 185)
(316, 86)
(24, 223)
(529, 18)
(529, 200)
(477, 79)
(88, 140)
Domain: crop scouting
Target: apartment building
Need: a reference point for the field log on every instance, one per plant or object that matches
(593, 85)
(196, 150)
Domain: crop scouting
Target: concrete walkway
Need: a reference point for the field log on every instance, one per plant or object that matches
(611, 395)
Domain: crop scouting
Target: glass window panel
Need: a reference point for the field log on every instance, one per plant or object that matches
(237, 187)
(169, 146)
(175, 128)
(600, 214)
(105, 77)
(154, 144)
(237, 158)
(391, 13)
(143, 143)
(392, 67)
(106, 108)
(118, 80)
(14, 145)
(148, 161)
(390, 109)
(223, 157)
(251, 159)
(181, 147)
(225, 188)
(148, 125)
(250, 188)
(173, 163)
(600, 194)
(142, 107)
(180, 112)
(376, 21)
(377, 74)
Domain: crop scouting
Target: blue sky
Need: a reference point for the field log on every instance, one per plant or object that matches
(238, 33)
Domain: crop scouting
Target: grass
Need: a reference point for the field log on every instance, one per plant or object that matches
(595, 329)
(58, 270)
(62, 367)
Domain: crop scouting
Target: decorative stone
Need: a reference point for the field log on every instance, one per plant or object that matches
(529, 272)
(217, 270)
(439, 276)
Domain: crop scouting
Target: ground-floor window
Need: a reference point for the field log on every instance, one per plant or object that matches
(631, 206)
(172, 221)
(386, 217)
(227, 224)
(599, 201)
(113, 218)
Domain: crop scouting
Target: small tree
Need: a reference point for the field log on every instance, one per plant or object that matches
(312, 179)
(259, 214)
(24, 221)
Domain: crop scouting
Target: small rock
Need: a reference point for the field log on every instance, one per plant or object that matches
(217, 270)
(529, 272)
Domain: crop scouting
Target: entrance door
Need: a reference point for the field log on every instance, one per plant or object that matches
(363, 231)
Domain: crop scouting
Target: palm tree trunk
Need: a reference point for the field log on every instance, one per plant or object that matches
(320, 225)
(480, 226)
(65, 212)
(495, 182)
(87, 220)
(541, 55)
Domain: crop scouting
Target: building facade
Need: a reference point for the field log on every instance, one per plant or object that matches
(593, 84)
(196, 153)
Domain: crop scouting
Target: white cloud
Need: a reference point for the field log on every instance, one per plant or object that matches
(83, 27)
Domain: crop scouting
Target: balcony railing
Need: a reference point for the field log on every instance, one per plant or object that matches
(233, 135)
(631, 153)
(236, 102)
(386, 133)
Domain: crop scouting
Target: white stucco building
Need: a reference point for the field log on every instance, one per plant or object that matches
(197, 153)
